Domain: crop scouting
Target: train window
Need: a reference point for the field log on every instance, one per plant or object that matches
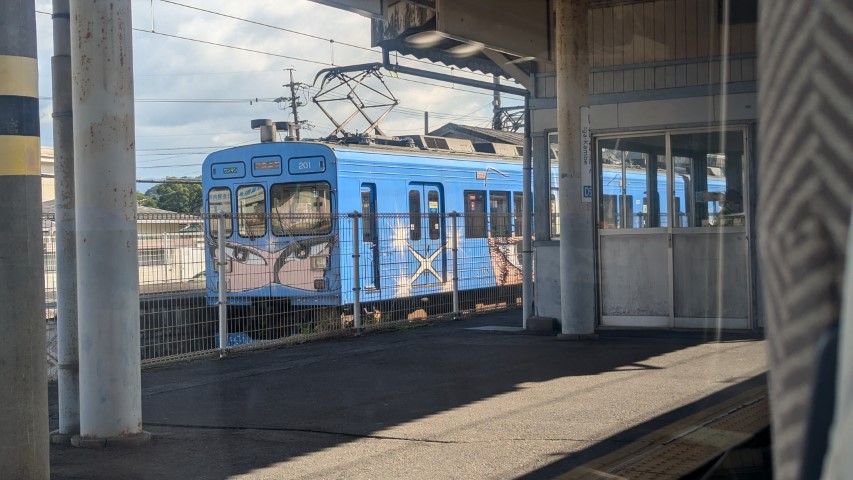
(219, 201)
(415, 214)
(475, 213)
(708, 176)
(251, 211)
(368, 212)
(499, 215)
(434, 215)
(633, 168)
(301, 208)
(518, 210)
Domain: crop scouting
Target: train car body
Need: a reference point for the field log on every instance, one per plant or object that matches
(289, 238)
(630, 200)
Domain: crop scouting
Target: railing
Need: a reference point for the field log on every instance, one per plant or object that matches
(364, 272)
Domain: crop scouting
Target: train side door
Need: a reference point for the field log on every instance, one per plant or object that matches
(369, 237)
(427, 235)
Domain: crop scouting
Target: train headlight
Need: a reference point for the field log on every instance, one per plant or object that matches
(318, 263)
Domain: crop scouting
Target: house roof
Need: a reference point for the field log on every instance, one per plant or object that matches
(454, 130)
(145, 214)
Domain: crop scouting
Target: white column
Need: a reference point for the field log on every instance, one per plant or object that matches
(107, 271)
(577, 288)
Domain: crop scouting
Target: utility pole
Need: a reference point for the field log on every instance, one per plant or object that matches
(24, 449)
(66, 230)
(496, 105)
(294, 100)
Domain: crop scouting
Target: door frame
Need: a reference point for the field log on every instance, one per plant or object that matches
(671, 232)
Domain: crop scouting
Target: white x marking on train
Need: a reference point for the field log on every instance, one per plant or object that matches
(425, 263)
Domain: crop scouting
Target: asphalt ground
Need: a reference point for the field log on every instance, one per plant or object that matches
(424, 401)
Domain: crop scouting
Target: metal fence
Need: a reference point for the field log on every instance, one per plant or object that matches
(291, 278)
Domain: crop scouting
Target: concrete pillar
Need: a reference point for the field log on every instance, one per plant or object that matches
(23, 356)
(66, 249)
(577, 289)
(107, 271)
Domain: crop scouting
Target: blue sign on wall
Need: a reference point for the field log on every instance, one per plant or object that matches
(219, 171)
(267, 166)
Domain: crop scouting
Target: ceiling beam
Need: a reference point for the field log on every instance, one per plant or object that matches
(514, 71)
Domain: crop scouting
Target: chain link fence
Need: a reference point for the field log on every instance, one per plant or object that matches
(261, 280)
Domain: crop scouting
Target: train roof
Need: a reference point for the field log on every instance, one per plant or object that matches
(341, 151)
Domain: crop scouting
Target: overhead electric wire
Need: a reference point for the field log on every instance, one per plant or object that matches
(244, 49)
(316, 62)
(316, 37)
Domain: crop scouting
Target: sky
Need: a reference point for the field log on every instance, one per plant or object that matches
(193, 98)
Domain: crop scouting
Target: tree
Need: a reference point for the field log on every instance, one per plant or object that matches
(145, 200)
(176, 197)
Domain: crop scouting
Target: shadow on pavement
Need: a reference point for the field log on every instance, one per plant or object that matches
(218, 418)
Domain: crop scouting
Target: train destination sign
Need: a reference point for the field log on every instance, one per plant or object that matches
(266, 166)
(303, 165)
(219, 171)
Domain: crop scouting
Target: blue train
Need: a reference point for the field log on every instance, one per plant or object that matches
(629, 200)
(288, 240)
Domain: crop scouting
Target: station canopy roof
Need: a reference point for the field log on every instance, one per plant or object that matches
(466, 34)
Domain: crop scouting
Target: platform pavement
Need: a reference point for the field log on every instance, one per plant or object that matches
(437, 401)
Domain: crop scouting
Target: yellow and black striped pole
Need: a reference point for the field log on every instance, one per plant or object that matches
(23, 366)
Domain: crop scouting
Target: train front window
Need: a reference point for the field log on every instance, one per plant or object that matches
(251, 211)
(301, 208)
(219, 201)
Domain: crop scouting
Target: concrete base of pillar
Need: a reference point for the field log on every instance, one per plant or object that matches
(126, 441)
(59, 438)
(575, 336)
(542, 324)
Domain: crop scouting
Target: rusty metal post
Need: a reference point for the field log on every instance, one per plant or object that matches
(577, 290)
(66, 244)
(23, 366)
(107, 267)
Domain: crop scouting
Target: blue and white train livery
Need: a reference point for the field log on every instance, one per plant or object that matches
(288, 238)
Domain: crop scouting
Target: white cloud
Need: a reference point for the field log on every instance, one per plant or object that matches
(165, 68)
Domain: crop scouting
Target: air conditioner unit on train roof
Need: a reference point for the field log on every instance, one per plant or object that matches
(427, 142)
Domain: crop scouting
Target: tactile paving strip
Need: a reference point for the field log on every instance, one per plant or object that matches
(684, 446)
